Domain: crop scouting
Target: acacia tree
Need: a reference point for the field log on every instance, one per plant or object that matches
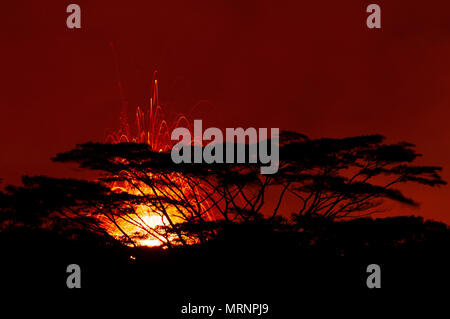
(190, 198)
(347, 177)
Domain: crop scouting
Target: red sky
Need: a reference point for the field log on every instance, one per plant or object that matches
(309, 66)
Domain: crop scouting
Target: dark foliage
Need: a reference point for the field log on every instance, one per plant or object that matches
(331, 178)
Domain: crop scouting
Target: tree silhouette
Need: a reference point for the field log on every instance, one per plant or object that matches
(331, 178)
(345, 177)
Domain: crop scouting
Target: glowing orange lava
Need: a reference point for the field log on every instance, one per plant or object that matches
(144, 226)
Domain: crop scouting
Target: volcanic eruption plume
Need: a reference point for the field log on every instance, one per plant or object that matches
(144, 226)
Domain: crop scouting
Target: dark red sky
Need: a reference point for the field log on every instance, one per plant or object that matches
(309, 66)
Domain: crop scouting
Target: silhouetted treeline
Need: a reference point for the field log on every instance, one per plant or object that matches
(222, 236)
(328, 178)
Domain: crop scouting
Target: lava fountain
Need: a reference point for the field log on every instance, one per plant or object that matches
(144, 227)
